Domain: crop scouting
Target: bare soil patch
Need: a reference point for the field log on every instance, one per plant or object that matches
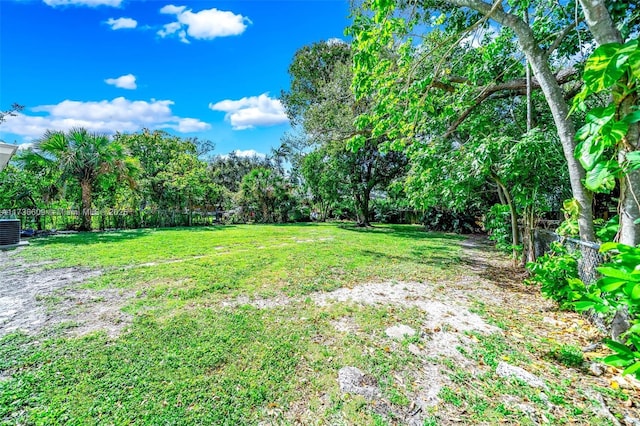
(33, 297)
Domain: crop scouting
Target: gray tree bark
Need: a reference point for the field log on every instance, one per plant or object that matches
(604, 31)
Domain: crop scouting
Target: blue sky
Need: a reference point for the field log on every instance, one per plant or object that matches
(206, 69)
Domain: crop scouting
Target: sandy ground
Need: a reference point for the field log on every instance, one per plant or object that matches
(34, 298)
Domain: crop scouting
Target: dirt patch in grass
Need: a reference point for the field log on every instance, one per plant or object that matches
(34, 297)
(452, 376)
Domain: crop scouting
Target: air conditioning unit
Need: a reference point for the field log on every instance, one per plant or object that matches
(9, 232)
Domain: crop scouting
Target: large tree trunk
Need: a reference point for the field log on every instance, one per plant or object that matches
(629, 207)
(604, 31)
(362, 207)
(85, 224)
(555, 99)
(599, 22)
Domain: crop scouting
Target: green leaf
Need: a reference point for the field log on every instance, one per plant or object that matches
(622, 248)
(618, 347)
(589, 153)
(635, 328)
(614, 132)
(600, 178)
(618, 273)
(624, 53)
(610, 284)
(632, 368)
(634, 159)
(634, 64)
(635, 293)
(587, 130)
(583, 305)
(632, 117)
(617, 360)
(600, 116)
(601, 70)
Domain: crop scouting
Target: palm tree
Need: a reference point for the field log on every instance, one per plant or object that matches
(84, 157)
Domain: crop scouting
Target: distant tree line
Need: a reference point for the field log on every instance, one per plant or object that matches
(82, 180)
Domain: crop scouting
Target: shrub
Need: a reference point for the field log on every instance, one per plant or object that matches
(443, 220)
(619, 288)
(568, 355)
(498, 225)
(557, 274)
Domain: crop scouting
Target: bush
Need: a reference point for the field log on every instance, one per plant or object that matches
(619, 289)
(568, 355)
(300, 214)
(557, 274)
(443, 220)
(498, 225)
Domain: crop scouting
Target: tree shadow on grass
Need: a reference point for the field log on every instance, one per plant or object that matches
(436, 258)
(100, 237)
(414, 232)
(492, 266)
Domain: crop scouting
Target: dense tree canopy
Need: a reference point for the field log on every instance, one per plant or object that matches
(320, 101)
(430, 67)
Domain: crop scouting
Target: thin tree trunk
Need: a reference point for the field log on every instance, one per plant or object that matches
(362, 207)
(629, 206)
(515, 232)
(528, 78)
(555, 99)
(501, 195)
(529, 250)
(85, 186)
(37, 217)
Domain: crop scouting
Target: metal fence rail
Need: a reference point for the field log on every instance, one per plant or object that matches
(590, 256)
(64, 219)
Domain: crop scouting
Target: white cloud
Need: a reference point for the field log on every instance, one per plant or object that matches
(204, 25)
(172, 28)
(120, 23)
(124, 82)
(90, 3)
(249, 153)
(25, 146)
(172, 10)
(252, 111)
(335, 40)
(245, 153)
(117, 115)
(169, 29)
(190, 125)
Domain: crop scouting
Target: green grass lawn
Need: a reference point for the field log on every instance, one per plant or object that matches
(186, 359)
(197, 351)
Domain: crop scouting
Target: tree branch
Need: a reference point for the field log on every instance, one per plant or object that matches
(513, 87)
(560, 37)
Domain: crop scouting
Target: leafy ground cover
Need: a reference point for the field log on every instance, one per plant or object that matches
(254, 325)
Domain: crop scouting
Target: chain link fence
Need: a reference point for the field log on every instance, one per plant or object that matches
(67, 219)
(590, 256)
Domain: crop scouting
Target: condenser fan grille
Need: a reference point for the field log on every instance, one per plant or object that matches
(9, 232)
